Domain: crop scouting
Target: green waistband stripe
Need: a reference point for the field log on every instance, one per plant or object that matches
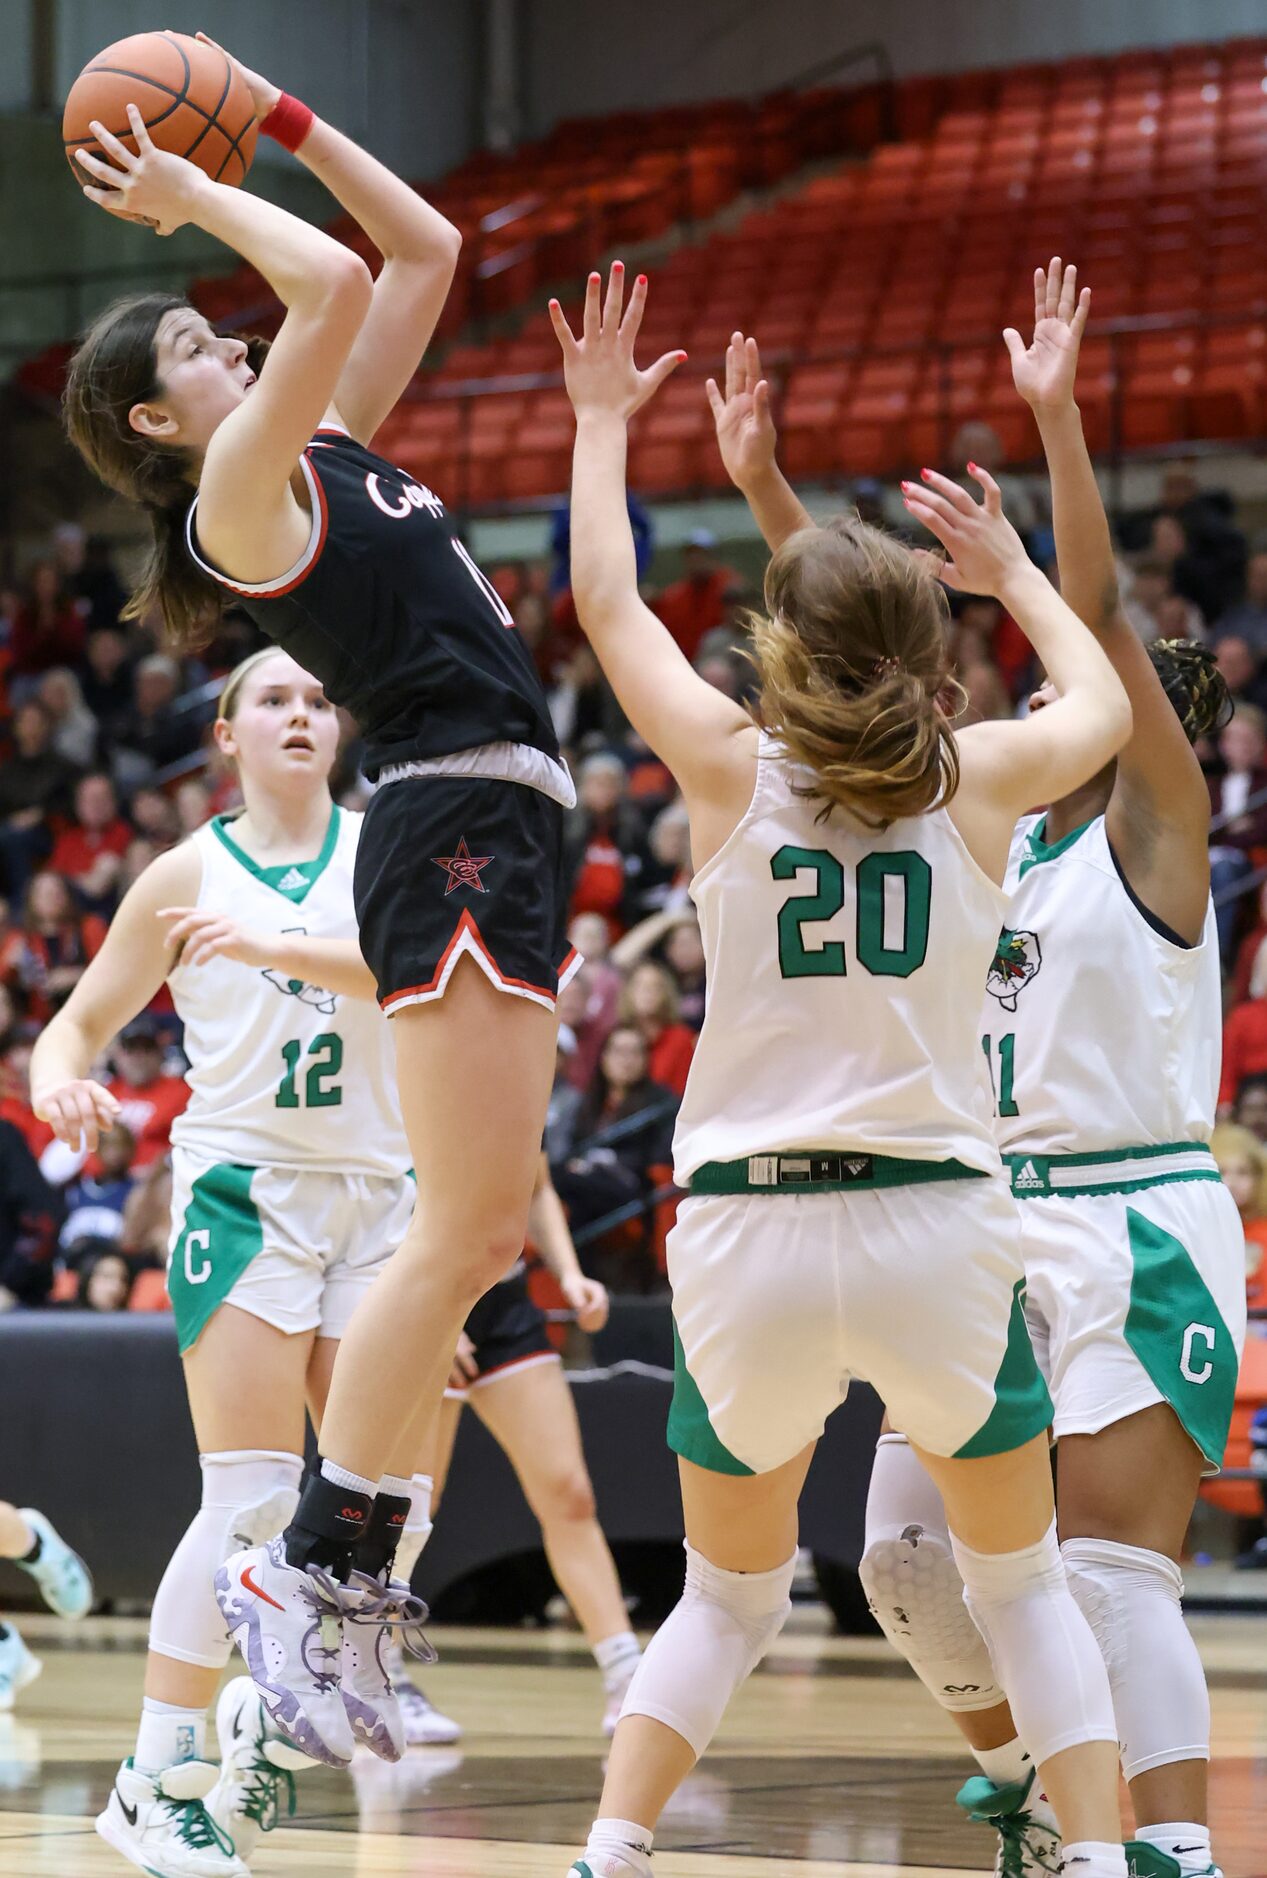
(1109, 1170)
(822, 1170)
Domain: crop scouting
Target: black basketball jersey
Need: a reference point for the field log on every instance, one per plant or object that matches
(386, 607)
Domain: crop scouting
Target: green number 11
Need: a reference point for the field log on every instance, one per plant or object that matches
(1002, 1084)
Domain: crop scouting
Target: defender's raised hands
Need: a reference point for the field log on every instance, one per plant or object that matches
(598, 368)
(1044, 371)
(983, 547)
(746, 435)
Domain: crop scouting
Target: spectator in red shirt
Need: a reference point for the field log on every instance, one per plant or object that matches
(149, 1101)
(90, 853)
(1244, 1049)
(650, 1006)
(49, 628)
(60, 940)
(15, 1096)
(603, 840)
(695, 604)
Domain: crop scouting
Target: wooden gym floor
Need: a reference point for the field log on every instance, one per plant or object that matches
(831, 1761)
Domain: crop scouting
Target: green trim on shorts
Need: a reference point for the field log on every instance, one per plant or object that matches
(1105, 1170)
(1022, 1405)
(223, 1222)
(822, 1170)
(1176, 1330)
(690, 1432)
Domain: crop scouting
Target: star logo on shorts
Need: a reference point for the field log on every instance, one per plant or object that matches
(464, 868)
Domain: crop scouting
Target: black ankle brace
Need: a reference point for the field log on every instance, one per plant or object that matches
(329, 1523)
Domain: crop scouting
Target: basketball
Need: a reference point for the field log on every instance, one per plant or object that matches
(193, 102)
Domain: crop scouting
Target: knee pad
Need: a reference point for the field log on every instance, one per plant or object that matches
(913, 1586)
(1132, 1599)
(247, 1497)
(1042, 1648)
(708, 1645)
(417, 1527)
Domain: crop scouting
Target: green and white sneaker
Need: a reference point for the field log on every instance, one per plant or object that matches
(1029, 1835)
(18, 1668)
(1149, 1861)
(256, 1788)
(159, 1822)
(64, 1580)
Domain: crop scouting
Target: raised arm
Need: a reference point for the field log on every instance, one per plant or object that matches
(706, 740)
(1011, 767)
(420, 254)
(748, 441)
(119, 982)
(1159, 814)
(247, 514)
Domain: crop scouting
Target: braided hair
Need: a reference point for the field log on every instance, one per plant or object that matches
(1197, 689)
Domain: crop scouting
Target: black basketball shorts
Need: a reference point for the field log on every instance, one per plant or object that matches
(448, 865)
(508, 1331)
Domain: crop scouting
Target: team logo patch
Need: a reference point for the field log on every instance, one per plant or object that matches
(464, 868)
(324, 1001)
(1018, 957)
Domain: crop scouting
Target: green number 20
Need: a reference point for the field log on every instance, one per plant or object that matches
(320, 1089)
(797, 960)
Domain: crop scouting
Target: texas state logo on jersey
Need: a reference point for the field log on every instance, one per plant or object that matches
(1018, 958)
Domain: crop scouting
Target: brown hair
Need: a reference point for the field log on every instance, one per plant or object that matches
(854, 671)
(115, 367)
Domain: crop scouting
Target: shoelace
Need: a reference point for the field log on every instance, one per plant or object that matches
(392, 1606)
(196, 1827)
(1014, 1830)
(262, 1791)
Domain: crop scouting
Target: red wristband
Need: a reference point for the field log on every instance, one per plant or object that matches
(288, 123)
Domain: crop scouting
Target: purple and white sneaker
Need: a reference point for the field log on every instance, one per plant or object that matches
(287, 1623)
(374, 1614)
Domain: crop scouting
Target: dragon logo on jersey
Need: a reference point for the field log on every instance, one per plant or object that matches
(324, 1001)
(1018, 957)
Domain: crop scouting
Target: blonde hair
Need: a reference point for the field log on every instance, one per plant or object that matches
(1230, 1142)
(854, 670)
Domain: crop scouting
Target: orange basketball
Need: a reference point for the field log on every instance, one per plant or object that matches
(193, 102)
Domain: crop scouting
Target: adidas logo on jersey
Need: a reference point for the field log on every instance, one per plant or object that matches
(291, 880)
(1028, 1180)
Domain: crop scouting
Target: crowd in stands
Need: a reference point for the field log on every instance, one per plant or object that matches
(106, 761)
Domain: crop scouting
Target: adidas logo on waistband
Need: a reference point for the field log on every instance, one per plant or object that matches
(291, 879)
(1027, 1179)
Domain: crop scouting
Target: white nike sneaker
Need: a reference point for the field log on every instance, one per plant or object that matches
(159, 1822)
(1030, 1845)
(18, 1668)
(256, 1788)
(616, 1700)
(288, 1625)
(64, 1580)
(425, 1726)
(375, 1616)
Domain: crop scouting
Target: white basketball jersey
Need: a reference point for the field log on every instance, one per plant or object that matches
(284, 1073)
(1100, 1032)
(843, 972)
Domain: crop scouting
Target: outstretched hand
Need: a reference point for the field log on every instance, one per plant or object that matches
(1044, 371)
(984, 549)
(746, 435)
(598, 368)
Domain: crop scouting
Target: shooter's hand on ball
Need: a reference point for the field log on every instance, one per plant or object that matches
(152, 187)
(264, 94)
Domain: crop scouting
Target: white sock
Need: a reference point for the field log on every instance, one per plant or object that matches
(617, 1845)
(393, 1484)
(1184, 1841)
(617, 1656)
(417, 1527)
(1094, 1858)
(1006, 1766)
(340, 1477)
(169, 1735)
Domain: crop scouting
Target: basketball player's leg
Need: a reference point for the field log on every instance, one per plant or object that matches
(529, 1411)
(475, 1070)
(1126, 1496)
(30, 1540)
(741, 1538)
